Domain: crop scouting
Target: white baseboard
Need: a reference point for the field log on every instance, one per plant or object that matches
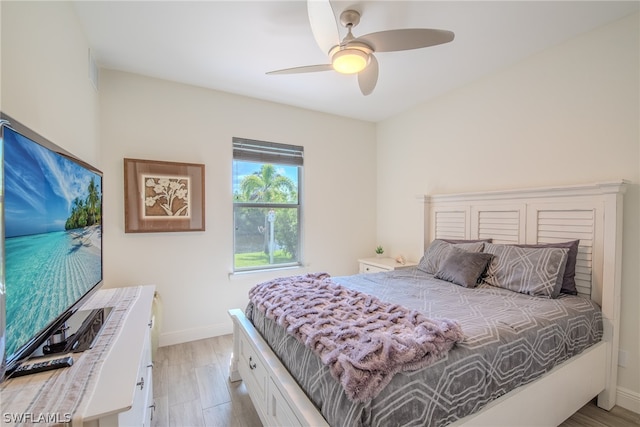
(628, 399)
(194, 334)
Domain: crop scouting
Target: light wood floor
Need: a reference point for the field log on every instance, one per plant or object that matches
(191, 389)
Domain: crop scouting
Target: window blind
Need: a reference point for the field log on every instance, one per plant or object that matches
(267, 152)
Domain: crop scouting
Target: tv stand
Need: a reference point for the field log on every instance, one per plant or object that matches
(108, 384)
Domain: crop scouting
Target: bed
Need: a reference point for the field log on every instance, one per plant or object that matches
(289, 386)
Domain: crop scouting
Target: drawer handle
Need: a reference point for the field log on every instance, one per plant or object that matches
(140, 383)
(153, 409)
(252, 364)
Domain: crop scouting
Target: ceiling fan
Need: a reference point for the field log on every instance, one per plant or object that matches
(355, 55)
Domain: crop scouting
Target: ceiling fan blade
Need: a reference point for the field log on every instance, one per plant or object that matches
(323, 24)
(368, 77)
(406, 39)
(304, 69)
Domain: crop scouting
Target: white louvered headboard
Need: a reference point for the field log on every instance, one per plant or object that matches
(507, 224)
(533, 216)
(591, 213)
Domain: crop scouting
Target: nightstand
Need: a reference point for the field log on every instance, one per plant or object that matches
(377, 265)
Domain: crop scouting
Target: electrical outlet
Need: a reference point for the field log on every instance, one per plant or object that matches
(623, 358)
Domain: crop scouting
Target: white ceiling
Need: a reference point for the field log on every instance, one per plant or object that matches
(230, 45)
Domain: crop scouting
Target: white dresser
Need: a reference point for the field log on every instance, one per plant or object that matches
(108, 385)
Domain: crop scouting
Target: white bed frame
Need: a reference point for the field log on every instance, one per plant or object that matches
(591, 213)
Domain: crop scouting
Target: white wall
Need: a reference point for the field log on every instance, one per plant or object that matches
(567, 115)
(45, 83)
(146, 118)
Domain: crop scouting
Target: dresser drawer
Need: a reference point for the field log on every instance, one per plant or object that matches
(280, 413)
(366, 268)
(378, 265)
(252, 370)
(141, 411)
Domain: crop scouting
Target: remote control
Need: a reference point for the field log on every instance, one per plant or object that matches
(47, 365)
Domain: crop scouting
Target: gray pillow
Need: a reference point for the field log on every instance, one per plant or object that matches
(463, 268)
(438, 250)
(532, 271)
(569, 276)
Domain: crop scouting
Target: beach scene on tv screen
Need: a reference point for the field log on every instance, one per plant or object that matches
(53, 233)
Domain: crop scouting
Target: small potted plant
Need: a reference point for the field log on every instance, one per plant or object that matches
(379, 251)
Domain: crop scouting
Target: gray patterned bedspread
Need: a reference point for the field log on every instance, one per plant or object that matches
(510, 340)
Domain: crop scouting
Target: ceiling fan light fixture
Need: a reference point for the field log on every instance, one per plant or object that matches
(349, 61)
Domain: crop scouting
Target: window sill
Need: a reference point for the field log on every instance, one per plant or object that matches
(271, 272)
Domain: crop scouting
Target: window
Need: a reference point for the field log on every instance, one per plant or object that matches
(266, 204)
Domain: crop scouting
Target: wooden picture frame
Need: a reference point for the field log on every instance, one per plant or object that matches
(163, 196)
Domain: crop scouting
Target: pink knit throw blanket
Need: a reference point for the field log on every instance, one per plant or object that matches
(363, 340)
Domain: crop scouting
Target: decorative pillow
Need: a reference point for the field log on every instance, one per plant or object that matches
(463, 268)
(438, 251)
(569, 276)
(532, 271)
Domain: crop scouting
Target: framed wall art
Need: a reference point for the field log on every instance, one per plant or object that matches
(163, 196)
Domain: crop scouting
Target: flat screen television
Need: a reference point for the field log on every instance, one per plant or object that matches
(52, 257)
